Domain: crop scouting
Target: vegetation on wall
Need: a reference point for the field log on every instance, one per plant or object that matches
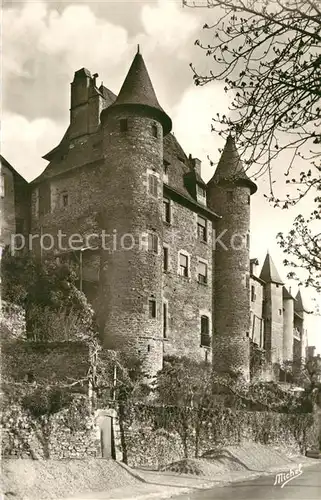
(193, 402)
(46, 290)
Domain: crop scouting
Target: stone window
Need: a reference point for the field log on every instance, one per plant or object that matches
(123, 125)
(205, 331)
(153, 243)
(202, 272)
(253, 294)
(280, 312)
(230, 195)
(249, 200)
(152, 308)
(154, 131)
(166, 210)
(183, 265)
(247, 240)
(165, 319)
(29, 377)
(153, 185)
(64, 200)
(2, 186)
(165, 258)
(201, 228)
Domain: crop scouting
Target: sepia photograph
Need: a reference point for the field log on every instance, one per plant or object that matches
(160, 249)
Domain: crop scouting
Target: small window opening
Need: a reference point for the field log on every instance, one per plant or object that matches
(152, 308)
(154, 131)
(65, 200)
(165, 322)
(123, 125)
(153, 185)
(153, 243)
(166, 210)
(165, 258)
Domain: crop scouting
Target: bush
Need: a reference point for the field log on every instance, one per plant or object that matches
(44, 401)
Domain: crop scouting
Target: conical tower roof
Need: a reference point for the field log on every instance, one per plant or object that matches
(230, 167)
(300, 304)
(137, 91)
(269, 273)
(287, 294)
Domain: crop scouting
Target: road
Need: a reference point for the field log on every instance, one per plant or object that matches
(307, 486)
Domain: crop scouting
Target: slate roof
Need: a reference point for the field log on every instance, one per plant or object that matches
(12, 169)
(269, 273)
(137, 90)
(287, 294)
(230, 167)
(300, 304)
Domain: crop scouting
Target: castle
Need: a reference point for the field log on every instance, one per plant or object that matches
(174, 276)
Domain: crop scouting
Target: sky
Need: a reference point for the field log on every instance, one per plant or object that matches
(44, 43)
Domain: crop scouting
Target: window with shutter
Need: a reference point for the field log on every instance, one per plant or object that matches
(183, 265)
(202, 273)
(205, 331)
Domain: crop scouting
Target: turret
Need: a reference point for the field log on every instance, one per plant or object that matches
(131, 271)
(273, 311)
(288, 324)
(301, 310)
(228, 194)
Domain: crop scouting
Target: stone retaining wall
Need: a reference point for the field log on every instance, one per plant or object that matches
(66, 434)
(154, 440)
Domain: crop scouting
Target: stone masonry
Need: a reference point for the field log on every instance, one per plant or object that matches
(173, 276)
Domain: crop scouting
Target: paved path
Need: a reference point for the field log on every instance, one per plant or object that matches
(307, 486)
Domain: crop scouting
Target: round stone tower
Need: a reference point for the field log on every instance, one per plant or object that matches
(228, 194)
(288, 324)
(130, 295)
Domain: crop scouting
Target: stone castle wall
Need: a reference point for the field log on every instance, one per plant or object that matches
(187, 299)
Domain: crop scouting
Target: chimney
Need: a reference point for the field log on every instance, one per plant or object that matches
(196, 164)
(253, 266)
(95, 76)
(79, 103)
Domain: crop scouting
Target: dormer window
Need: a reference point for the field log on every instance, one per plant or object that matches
(201, 193)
